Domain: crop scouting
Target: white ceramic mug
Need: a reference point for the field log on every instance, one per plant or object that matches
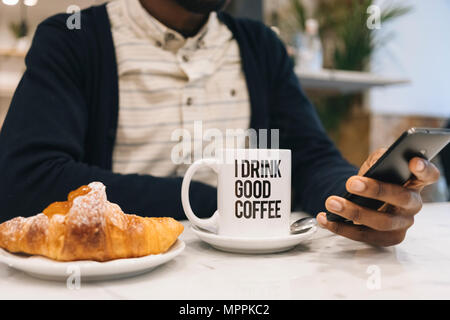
(253, 193)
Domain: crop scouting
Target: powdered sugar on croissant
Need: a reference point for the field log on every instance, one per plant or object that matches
(88, 227)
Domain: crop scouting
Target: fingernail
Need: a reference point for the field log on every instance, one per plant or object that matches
(357, 185)
(321, 220)
(420, 165)
(334, 205)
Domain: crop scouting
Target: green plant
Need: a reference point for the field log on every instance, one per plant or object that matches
(300, 13)
(19, 29)
(350, 45)
(355, 42)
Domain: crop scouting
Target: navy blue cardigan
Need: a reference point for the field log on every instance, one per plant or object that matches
(60, 130)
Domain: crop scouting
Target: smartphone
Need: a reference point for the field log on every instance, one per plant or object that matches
(393, 166)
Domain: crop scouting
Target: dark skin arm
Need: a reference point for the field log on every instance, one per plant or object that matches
(402, 204)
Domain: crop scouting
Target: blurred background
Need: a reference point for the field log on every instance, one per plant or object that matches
(372, 68)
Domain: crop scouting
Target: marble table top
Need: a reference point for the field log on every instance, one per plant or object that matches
(325, 267)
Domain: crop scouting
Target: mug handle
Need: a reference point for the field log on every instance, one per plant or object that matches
(210, 224)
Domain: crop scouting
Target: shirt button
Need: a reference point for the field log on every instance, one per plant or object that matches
(169, 36)
(189, 101)
(233, 92)
(158, 44)
(185, 58)
(200, 44)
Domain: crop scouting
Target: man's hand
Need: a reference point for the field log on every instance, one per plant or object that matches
(385, 228)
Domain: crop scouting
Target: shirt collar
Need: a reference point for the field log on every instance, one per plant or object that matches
(146, 26)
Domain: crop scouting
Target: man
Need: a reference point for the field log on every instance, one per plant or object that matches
(100, 103)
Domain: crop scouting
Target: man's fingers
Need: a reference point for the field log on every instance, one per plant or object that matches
(376, 220)
(425, 171)
(405, 199)
(362, 233)
(371, 160)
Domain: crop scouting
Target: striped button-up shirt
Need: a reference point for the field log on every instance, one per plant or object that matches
(167, 83)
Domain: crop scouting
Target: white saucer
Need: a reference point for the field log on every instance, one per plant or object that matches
(44, 268)
(253, 245)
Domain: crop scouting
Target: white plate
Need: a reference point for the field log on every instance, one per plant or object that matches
(44, 268)
(253, 245)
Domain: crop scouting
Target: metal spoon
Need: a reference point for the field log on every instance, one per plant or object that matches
(303, 225)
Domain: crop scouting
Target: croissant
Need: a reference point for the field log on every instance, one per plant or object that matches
(88, 227)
